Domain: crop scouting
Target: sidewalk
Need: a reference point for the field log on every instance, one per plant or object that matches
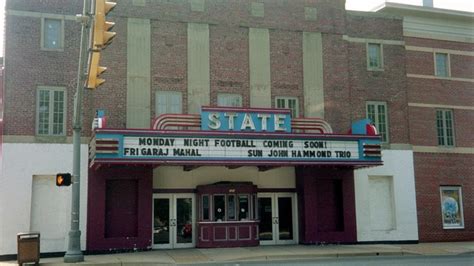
(264, 253)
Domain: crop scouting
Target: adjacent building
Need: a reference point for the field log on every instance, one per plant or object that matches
(440, 75)
(296, 165)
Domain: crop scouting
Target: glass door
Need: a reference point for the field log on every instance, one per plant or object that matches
(277, 215)
(184, 221)
(162, 221)
(173, 220)
(285, 218)
(266, 229)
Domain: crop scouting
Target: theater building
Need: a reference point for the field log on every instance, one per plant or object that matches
(222, 124)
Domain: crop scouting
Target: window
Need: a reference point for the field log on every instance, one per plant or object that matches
(168, 102)
(205, 207)
(451, 207)
(288, 103)
(52, 35)
(377, 113)
(231, 207)
(229, 100)
(374, 56)
(219, 207)
(442, 65)
(244, 207)
(51, 112)
(444, 126)
(254, 205)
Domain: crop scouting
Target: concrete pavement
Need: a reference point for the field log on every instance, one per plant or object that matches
(264, 253)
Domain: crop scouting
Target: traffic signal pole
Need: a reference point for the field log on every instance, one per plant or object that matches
(74, 252)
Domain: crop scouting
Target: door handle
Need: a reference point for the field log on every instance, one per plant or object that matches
(275, 220)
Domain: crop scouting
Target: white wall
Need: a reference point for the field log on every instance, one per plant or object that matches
(174, 176)
(20, 163)
(398, 164)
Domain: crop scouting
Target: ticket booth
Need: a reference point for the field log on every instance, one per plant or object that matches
(227, 215)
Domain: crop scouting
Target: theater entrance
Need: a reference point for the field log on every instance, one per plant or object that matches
(277, 214)
(173, 220)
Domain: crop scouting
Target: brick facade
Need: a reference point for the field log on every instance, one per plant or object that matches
(348, 85)
(433, 170)
(345, 74)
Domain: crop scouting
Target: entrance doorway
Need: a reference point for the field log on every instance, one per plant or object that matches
(277, 214)
(173, 220)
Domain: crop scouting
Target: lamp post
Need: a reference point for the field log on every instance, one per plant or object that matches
(74, 253)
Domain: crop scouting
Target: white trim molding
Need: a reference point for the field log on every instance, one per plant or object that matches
(438, 77)
(427, 105)
(443, 149)
(438, 50)
(21, 13)
(365, 40)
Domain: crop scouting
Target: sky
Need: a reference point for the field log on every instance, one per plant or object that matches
(362, 5)
(366, 5)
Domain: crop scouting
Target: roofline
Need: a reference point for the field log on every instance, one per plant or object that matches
(386, 6)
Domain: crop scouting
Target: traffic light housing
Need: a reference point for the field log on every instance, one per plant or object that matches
(101, 38)
(102, 34)
(63, 179)
(95, 71)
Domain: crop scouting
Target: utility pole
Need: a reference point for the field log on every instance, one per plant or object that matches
(74, 252)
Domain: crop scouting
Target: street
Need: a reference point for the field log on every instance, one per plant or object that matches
(451, 260)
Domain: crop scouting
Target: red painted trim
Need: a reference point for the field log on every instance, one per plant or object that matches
(157, 162)
(276, 190)
(164, 120)
(101, 148)
(174, 190)
(190, 133)
(105, 141)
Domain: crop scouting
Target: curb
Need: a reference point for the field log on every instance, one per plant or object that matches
(314, 256)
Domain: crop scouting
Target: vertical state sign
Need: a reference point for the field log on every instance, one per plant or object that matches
(239, 149)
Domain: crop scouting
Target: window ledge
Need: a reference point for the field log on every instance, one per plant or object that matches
(375, 69)
(442, 147)
(52, 49)
(454, 228)
(50, 139)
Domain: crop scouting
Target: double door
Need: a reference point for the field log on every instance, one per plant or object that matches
(173, 220)
(277, 215)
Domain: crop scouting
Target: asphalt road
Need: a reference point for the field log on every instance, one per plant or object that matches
(452, 260)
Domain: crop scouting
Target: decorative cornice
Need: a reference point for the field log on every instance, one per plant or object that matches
(433, 23)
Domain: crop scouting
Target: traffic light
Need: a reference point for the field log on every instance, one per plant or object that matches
(101, 38)
(95, 71)
(102, 34)
(63, 180)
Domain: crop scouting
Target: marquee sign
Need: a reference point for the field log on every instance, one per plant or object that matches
(219, 148)
(235, 136)
(205, 148)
